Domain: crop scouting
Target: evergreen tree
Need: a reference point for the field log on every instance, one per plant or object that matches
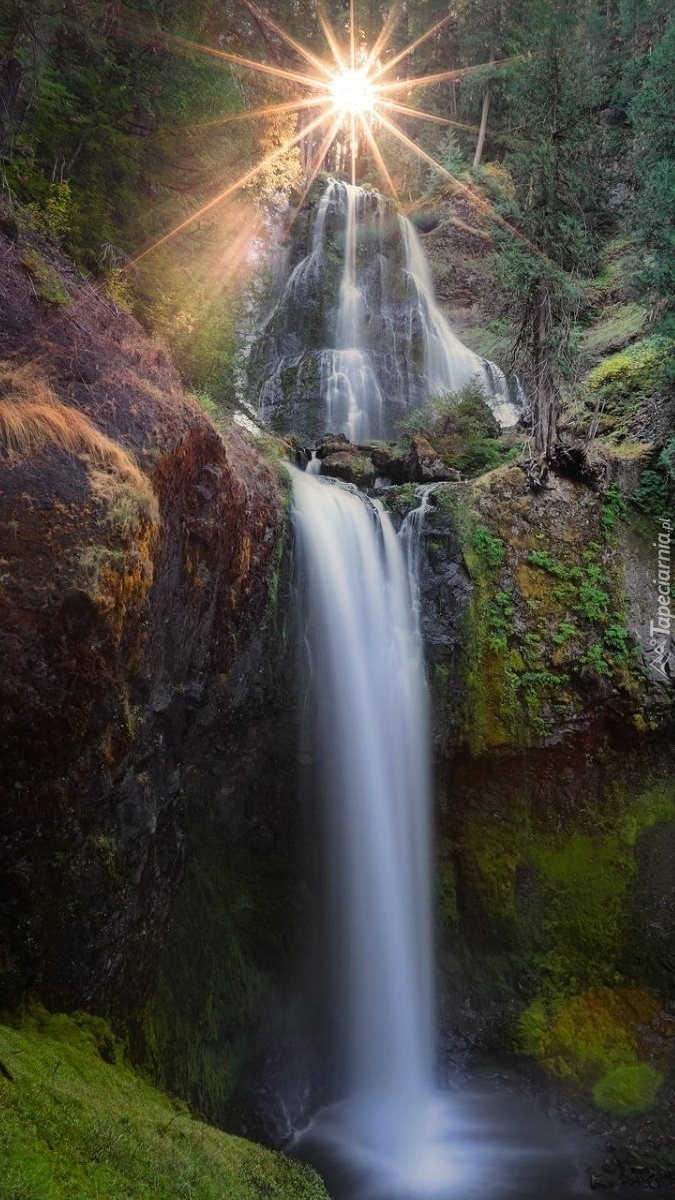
(550, 98)
(653, 114)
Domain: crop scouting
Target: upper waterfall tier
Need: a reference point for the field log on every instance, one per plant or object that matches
(356, 339)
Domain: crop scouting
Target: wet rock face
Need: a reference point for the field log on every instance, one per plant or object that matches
(296, 353)
(125, 596)
(555, 803)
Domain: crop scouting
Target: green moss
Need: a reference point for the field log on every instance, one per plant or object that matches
(618, 326)
(636, 371)
(214, 987)
(46, 282)
(529, 639)
(77, 1123)
(628, 1090)
(401, 499)
(586, 880)
(622, 383)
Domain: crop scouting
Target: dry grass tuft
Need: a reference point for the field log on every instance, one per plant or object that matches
(32, 419)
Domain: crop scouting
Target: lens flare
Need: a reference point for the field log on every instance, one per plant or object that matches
(353, 93)
(353, 88)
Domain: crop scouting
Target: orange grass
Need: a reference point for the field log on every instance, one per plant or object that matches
(33, 419)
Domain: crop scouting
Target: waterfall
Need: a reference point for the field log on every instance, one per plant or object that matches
(356, 339)
(448, 364)
(370, 696)
(390, 1134)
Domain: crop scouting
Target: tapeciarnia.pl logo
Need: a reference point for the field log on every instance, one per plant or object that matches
(660, 655)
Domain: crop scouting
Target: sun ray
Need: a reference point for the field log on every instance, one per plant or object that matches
(348, 95)
(425, 116)
(320, 155)
(384, 35)
(477, 200)
(229, 190)
(270, 110)
(442, 76)
(261, 15)
(370, 137)
(386, 67)
(352, 37)
(239, 61)
(331, 39)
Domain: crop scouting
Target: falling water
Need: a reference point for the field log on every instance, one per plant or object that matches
(448, 364)
(357, 339)
(372, 706)
(391, 1135)
(349, 383)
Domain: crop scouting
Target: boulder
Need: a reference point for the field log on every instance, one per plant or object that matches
(349, 467)
(422, 464)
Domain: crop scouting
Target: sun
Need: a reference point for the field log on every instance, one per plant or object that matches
(352, 90)
(353, 93)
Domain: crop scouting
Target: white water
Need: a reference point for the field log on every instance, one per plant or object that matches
(348, 381)
(372, 711)
(448, 363)
(391, 1135)
(389, 346)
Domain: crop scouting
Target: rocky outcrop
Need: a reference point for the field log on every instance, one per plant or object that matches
(362, 465)
(555, 801)
(423, 465)
(138, 551)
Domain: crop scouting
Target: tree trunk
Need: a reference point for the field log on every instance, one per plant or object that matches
(483, 122)
(483, 129)
(545, 415)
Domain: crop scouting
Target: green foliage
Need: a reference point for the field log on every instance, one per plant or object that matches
(78, 1123)
(614, 508)
(596, 660)
(634, 373)
(565, 633)
(46, 282)
(653, 114)
(545, 560)
(500, 620)
(489, 550)
(593, 603)
(654, 493)
(628, 1090)
(462, 428)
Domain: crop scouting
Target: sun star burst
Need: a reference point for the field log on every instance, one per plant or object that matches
(353, 95)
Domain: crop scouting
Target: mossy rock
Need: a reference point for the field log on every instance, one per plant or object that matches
(628, 1090)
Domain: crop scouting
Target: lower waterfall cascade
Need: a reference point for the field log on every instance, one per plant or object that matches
(356, 339)
(391, 1133)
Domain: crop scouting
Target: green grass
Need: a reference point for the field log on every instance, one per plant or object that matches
(77, 1123)
(616, 328)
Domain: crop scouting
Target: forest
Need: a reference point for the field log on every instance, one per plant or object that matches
(337, 486)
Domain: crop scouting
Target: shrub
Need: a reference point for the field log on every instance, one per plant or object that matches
(463, 429)
(633, 373)
(655, 491)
